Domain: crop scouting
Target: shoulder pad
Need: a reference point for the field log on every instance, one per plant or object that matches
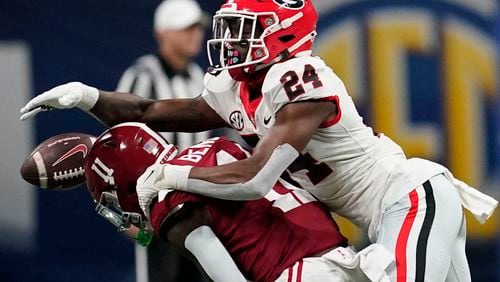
(218, 82)
(300, 79)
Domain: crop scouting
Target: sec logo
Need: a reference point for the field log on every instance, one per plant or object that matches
(236, 120)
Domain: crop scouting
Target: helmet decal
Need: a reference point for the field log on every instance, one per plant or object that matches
(105, 172)
(290, 4)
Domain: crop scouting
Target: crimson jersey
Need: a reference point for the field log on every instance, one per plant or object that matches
(263, 236)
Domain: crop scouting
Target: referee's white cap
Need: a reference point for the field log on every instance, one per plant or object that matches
(178, 14)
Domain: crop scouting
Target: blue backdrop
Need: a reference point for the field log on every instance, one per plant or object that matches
(93, 41)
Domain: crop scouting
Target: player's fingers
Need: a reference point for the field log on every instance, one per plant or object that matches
(38, 101)
(26, 108)
(31, 113)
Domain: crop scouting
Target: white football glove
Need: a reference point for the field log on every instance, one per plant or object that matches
(146, 190)
(65, 96)
(160, 177)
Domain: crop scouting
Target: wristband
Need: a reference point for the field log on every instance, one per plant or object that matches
(174, 177)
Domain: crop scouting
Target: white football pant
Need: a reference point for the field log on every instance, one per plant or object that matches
(426, 232)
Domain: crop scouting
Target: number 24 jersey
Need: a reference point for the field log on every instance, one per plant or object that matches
(345, 165)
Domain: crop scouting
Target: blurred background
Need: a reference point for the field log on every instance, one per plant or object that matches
(426, 73)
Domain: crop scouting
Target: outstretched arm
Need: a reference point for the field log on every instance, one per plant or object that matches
(174, 115)
(188, 115)
(253, 177)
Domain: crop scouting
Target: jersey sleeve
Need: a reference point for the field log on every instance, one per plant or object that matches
(170, 210)
(300, 79)
(219, 92)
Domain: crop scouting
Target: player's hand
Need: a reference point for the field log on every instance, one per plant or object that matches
(146, 190)
(160, 177)
(65, 96)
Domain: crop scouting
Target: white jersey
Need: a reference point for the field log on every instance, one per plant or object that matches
(345, 165)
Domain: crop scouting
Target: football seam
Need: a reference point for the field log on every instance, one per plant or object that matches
(62, 175)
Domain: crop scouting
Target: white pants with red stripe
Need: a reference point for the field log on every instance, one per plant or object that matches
(426, 231)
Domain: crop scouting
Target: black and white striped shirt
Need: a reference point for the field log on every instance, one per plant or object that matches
(151, 77)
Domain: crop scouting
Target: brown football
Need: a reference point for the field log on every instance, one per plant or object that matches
(58, 162)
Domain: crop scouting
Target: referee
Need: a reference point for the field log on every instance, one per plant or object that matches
(179, 27)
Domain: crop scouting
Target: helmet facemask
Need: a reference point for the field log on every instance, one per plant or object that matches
(238, 40)
(129, 224)
(271, 32)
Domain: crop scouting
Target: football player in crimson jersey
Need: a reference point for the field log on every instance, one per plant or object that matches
(286, 236)
(305, 127)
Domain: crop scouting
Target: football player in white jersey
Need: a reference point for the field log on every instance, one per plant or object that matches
(265, 84)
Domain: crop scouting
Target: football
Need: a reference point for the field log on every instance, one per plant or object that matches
(58, 162)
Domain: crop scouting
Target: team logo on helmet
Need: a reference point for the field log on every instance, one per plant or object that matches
(290, 4)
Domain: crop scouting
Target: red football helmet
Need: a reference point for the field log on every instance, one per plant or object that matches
(116, 160)
(252, 33)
